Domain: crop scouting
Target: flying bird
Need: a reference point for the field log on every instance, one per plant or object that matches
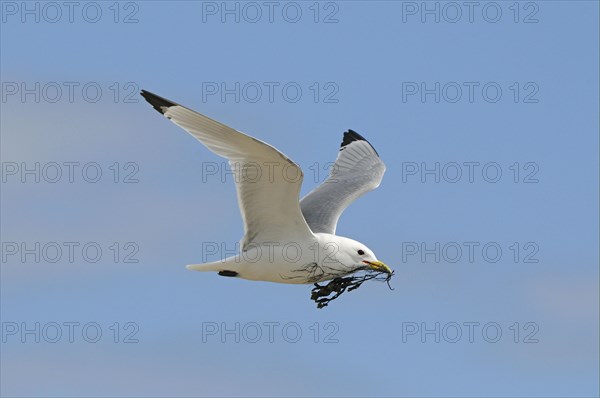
(287, 240)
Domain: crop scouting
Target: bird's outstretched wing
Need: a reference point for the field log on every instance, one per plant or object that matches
(267, 182)
(357, 170)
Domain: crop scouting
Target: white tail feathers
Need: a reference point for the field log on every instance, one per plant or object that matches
(216, 266)
(205, 267)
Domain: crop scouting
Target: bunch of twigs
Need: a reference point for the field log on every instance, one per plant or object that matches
(320, 294)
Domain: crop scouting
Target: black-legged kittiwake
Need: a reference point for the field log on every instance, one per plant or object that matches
(274, 217)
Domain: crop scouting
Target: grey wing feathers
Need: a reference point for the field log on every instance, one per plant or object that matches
(269, 206)
(357, 170)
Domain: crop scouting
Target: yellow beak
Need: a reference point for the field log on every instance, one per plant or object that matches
(378, 266)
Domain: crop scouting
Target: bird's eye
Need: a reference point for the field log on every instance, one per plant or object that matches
(361, 252)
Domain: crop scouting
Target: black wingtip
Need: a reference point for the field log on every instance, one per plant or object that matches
(158, 103)
(350, 136)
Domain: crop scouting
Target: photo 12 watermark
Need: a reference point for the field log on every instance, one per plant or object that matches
(70, 92)
(70, 12)
(69, 172)
(470, 332)
(270, 332)
(290, 252)
(69, 332)
(252, 92)
(470, 172)
(89, 252)
(469, 252)
(271, 12)
(471, 12)
(266, 172)
(469, 92)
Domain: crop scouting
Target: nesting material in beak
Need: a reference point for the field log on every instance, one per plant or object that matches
(379, 272)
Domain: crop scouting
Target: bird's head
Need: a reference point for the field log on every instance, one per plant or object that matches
(353, 253)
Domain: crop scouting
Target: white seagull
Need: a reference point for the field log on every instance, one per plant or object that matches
(286, 240)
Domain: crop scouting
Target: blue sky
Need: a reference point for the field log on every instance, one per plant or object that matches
(541, 292)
